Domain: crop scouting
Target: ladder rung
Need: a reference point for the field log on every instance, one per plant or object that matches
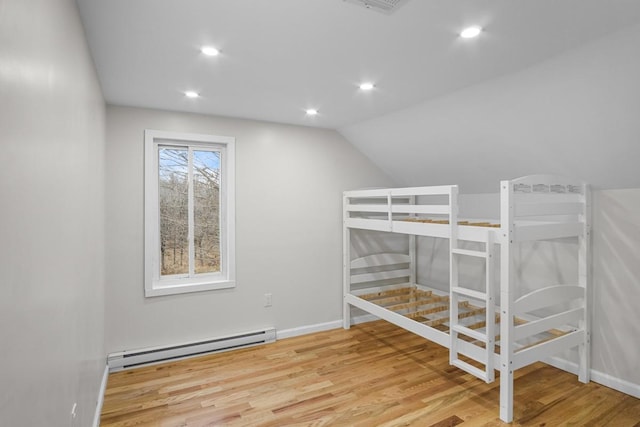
(467, 252)
(469, 293)
(470, 369)
(470, 333)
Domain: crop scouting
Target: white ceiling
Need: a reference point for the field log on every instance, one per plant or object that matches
(280, 57)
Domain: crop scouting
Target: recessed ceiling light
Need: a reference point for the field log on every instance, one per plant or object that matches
(367, 86)
(312, 112)
(470, 32)
(209, 51)
(191, 94)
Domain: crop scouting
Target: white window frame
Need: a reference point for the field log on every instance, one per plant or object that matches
(154, 284)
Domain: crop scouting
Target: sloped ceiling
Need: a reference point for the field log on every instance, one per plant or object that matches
(576, 115)
(444, 109)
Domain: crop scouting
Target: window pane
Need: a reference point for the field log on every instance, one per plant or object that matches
(174, 202)
(206, 215)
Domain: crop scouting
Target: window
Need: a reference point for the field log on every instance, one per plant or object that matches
(189, 213)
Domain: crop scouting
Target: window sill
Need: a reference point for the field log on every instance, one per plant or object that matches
(159, 289)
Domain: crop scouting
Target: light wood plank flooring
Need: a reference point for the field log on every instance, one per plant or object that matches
(374, 374)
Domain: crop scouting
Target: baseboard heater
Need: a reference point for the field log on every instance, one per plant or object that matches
(136, 358)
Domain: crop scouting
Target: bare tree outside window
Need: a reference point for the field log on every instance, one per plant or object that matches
(206, 210)
(177, 167)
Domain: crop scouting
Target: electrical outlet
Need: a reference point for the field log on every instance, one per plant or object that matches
(268, 300)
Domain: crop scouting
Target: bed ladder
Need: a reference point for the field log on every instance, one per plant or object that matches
(458, 294)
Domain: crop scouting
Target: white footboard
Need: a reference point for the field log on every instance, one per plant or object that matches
(551, 333)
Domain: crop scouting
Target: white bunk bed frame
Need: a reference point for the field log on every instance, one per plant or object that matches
(537, 207)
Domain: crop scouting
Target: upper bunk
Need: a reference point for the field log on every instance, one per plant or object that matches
(534, 207)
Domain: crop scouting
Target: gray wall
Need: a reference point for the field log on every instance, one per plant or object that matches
(616, 282)
(52, 217)
(288, 235)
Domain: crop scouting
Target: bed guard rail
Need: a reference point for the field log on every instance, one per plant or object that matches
(384, 206)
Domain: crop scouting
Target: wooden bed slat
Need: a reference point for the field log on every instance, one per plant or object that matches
(446, 221)
(463, 315)
(423, 313)
(483, 323)
(404, 298)
(410, 304)
(533, 352)
(547, 323)
(386, 293)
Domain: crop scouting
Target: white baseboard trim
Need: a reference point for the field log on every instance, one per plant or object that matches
(321, 327)
(616, 383)
(308, 329)
(606, 380)
(356, 320)
(103, 387)
(562, 364)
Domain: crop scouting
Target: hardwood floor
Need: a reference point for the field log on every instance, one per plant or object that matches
(374, 374)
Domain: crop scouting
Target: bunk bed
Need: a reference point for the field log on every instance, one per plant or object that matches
(488, 328)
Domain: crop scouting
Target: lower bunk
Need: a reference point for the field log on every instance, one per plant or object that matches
(546, 321)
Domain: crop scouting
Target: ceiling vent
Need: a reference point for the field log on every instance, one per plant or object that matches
(384, 6)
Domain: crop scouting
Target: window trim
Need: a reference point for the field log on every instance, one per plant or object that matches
(225, 279)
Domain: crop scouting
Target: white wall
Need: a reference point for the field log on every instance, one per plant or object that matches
(52, 217)
(577, 115)
(616, 282)
(289, 230)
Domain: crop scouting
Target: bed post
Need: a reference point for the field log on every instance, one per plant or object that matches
(453, 275)
(412, 249)
(413, 261)
(346, 264)
(506, 297)
(584, 280)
